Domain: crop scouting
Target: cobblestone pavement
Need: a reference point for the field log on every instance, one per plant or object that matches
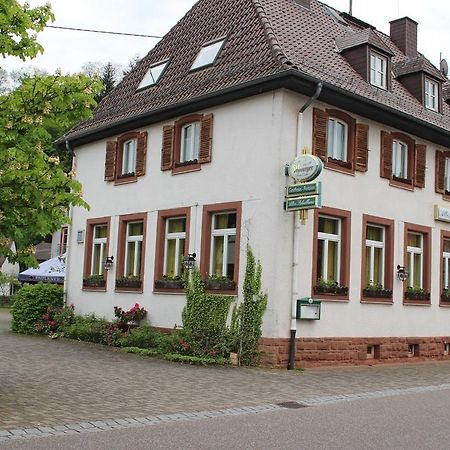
(47, 383)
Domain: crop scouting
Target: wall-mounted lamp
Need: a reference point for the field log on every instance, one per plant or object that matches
(189, 261)
(109, 261)
(402, 274)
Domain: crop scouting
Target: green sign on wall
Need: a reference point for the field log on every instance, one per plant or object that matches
(299, 203)
(304, 189)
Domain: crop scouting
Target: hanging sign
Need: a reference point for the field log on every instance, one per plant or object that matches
(306, 202)
(441, 213)
(304, 189)
(305, 168)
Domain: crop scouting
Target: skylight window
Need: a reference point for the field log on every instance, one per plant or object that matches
(153, 74)
(207, 54)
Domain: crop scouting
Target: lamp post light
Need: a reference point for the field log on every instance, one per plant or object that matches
(402, 274)
(108, 263)
(189, 264)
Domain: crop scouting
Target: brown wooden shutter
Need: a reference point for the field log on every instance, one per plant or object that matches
(167, 147)
(320, 123)
(440, 172)
(110, 160)
(362, 147)
(420, 165)
(386, 155)
(204, 154)
(141, 154)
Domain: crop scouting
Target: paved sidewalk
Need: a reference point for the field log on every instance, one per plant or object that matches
(46, 382)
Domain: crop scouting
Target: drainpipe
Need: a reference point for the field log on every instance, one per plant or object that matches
(296, 241)
(69, 230)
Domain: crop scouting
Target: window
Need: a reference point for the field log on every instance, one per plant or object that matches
(337, 139)
(431, 95)
(126, 157)
(187, 144)
(328, 256)
(340, 142)
(417, 258)
(331, 253)
(223, 239)
(153, 74)
(445, 268)
(172, 244)
(377, 259)
(378, 70)
(95, 253)
(131, 252)
(208, 54)
(63, 240)
(399, 159)
(442, 174)
(99, 249)
(220, 243)
(129, 157)
(447, 175)
(190, 142)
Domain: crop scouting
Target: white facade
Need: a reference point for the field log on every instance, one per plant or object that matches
(253, 139)
(11, 269)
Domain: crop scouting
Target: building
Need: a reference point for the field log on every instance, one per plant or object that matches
(188, 155)
(9, 270)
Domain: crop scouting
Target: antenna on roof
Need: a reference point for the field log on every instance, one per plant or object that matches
(444, 67)
(351, 8)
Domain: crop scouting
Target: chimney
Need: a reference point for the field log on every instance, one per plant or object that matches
(404, 35)
(305, 3)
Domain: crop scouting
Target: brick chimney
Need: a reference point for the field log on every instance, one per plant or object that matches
(305, 3)
(404, 35)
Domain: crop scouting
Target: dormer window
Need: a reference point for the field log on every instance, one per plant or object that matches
(208, 54)
(431, 94)
(153, 74)
(378, 70)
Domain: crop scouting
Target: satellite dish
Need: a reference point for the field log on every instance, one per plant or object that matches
(444, 67)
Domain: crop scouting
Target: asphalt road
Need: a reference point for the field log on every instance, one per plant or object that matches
(412, 421)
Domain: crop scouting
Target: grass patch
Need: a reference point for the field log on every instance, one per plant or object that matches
(140, 351)
(196, 360)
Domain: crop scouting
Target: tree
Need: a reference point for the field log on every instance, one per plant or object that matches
(131, 65)
(18, 25)
(35, 192)
(108, 77)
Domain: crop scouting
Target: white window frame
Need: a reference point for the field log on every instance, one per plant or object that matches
(225, 232)
(446, 274)
(399, 167)
(378, 70)
(153, 74)
(177, 236)
(129, 152)
(138, 246)
(211, 50)
(431, 94)
(371, 245)
(411, 251)
(447, 175)
(332, 150)
(102, 242)
(327, 237)
(191, 153)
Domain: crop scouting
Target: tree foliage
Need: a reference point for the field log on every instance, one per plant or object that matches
(35, 191)
(18, 25)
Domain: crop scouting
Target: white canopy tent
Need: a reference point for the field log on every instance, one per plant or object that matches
(50, 271)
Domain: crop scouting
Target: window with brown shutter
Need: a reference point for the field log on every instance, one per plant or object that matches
(338, 142)
(126, 157)
(420, 166)
(187, 144)
(442, 173)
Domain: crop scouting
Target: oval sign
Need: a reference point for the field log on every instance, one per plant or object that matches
(305, 168)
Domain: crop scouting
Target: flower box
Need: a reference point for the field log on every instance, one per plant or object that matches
(220, 284)
(131, 282)
(445, 297)
(165, 283)
(424, 296)
(94, 281)
(377, 293)
(330, 290)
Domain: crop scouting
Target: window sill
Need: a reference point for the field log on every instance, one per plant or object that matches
(232, 292)
(129, 289)
(416, 302)
(184, 168)
(125, 180)
(401, 183)
(93, 289)
(339, 166)
(330, 297)
(377, 300)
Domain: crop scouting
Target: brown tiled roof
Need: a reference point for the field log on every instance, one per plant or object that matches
(412, 65)
(356, 38)
(263, 38)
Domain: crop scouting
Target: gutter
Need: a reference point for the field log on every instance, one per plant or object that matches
(296, 237)
(290, 79)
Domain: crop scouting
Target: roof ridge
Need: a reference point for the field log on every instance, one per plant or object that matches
(270, 34)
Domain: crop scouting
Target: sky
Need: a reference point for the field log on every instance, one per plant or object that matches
(70, 50)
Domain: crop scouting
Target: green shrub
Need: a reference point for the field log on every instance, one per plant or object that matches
(31, 303)
(140, 351)
(55, 320)
(196, 360)
(169, 343)
(88, 328)
(142, 337)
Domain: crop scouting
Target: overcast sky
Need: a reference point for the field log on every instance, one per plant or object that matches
(69, 50)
